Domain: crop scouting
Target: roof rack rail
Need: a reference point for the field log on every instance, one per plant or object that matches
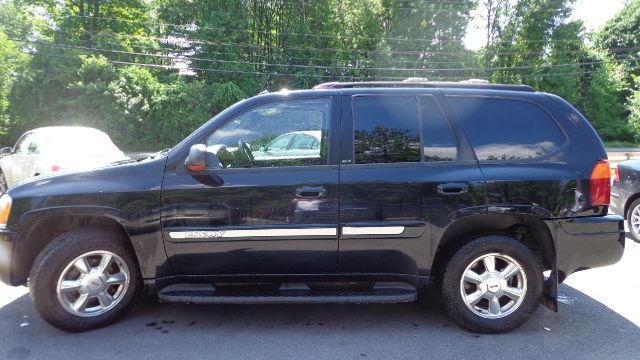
(417, 82)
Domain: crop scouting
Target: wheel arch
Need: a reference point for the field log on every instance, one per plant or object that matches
(630, 201)
(529, 229)
(41, 228)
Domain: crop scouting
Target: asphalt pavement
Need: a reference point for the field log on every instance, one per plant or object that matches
(599, 318)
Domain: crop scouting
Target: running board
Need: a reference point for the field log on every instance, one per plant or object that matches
(287, 294)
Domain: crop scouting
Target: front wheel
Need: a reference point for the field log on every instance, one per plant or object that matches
(84, 279)
(633, 220)
(492, 285)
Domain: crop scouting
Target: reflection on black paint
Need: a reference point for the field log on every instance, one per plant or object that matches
(507, 129)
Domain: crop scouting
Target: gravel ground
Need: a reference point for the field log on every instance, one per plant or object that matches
(599, 318)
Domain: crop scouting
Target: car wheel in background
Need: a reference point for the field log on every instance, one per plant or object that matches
(633, 220)
(85, 279)
(3, 183)
(492, 284)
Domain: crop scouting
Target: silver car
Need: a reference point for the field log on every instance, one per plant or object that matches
(56, 148)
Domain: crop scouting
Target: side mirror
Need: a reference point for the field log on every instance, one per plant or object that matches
(200, 159)
(6, 151)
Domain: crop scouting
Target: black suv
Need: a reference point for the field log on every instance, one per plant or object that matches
(345, 193)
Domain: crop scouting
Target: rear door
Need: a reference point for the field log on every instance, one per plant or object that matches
(404, 175)
(523, 152)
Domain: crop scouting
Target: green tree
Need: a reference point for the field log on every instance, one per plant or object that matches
(633, 106)
(620, 36)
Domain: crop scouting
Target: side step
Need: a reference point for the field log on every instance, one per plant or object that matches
(287, 294)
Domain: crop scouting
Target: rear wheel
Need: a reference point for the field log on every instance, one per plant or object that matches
(84, 279)
(633, 220)
(491, 285)
(3, 183)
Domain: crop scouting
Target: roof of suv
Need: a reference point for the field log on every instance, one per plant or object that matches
(417, 83)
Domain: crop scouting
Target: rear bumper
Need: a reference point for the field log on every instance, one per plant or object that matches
(618, 199)
(588, 242)
(6, 254)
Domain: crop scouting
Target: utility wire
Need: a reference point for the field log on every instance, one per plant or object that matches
(208, 52)
(233, 71)
(317, 67)
(369, 60)
(316, 49)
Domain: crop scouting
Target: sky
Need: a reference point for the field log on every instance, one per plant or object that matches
(594, 13)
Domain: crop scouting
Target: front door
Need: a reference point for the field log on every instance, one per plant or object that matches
(404, 176)
(270, 206)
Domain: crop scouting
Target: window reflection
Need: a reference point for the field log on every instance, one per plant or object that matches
(507, 129)
(386, 129)
(439, 142)
(284, 133)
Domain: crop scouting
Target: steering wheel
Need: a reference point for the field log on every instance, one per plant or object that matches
(245, 150)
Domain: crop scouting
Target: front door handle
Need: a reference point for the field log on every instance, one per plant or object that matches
(310, 192)
(453, 188)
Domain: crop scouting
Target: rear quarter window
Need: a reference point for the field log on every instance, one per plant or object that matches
(507, 129)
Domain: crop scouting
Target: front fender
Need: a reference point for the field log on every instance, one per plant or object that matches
(127, 197)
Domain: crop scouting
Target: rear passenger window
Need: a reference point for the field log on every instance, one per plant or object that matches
(506, 129)
(439, 142)
(386, 129)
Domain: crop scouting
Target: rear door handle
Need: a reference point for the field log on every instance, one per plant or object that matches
(310, 191)
(453, 188)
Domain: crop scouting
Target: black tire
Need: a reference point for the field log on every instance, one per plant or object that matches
(634, 236)
(451, 284)
(3, 183)
(55, 258)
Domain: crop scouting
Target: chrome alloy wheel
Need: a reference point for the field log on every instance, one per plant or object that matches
(493, 286)
(635, 221)
(93, 283)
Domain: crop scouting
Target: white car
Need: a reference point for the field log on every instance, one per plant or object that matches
(293, 145)
(55, 148)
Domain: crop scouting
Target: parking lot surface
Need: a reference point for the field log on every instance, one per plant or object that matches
(599, 318)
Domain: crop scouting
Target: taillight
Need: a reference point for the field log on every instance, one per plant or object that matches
(55, 167)
(616, 175)
(5, 208)
(600, 184)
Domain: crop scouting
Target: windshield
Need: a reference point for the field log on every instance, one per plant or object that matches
(223, 113)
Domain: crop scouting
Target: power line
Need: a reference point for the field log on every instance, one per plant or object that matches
(369, 60)
(233, 71)
(325, 68)
(208, 52)
(334, 50)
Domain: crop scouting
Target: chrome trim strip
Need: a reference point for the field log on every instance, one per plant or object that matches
(195, 234)
(373, 230)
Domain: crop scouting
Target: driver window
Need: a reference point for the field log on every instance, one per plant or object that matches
(283, 133)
